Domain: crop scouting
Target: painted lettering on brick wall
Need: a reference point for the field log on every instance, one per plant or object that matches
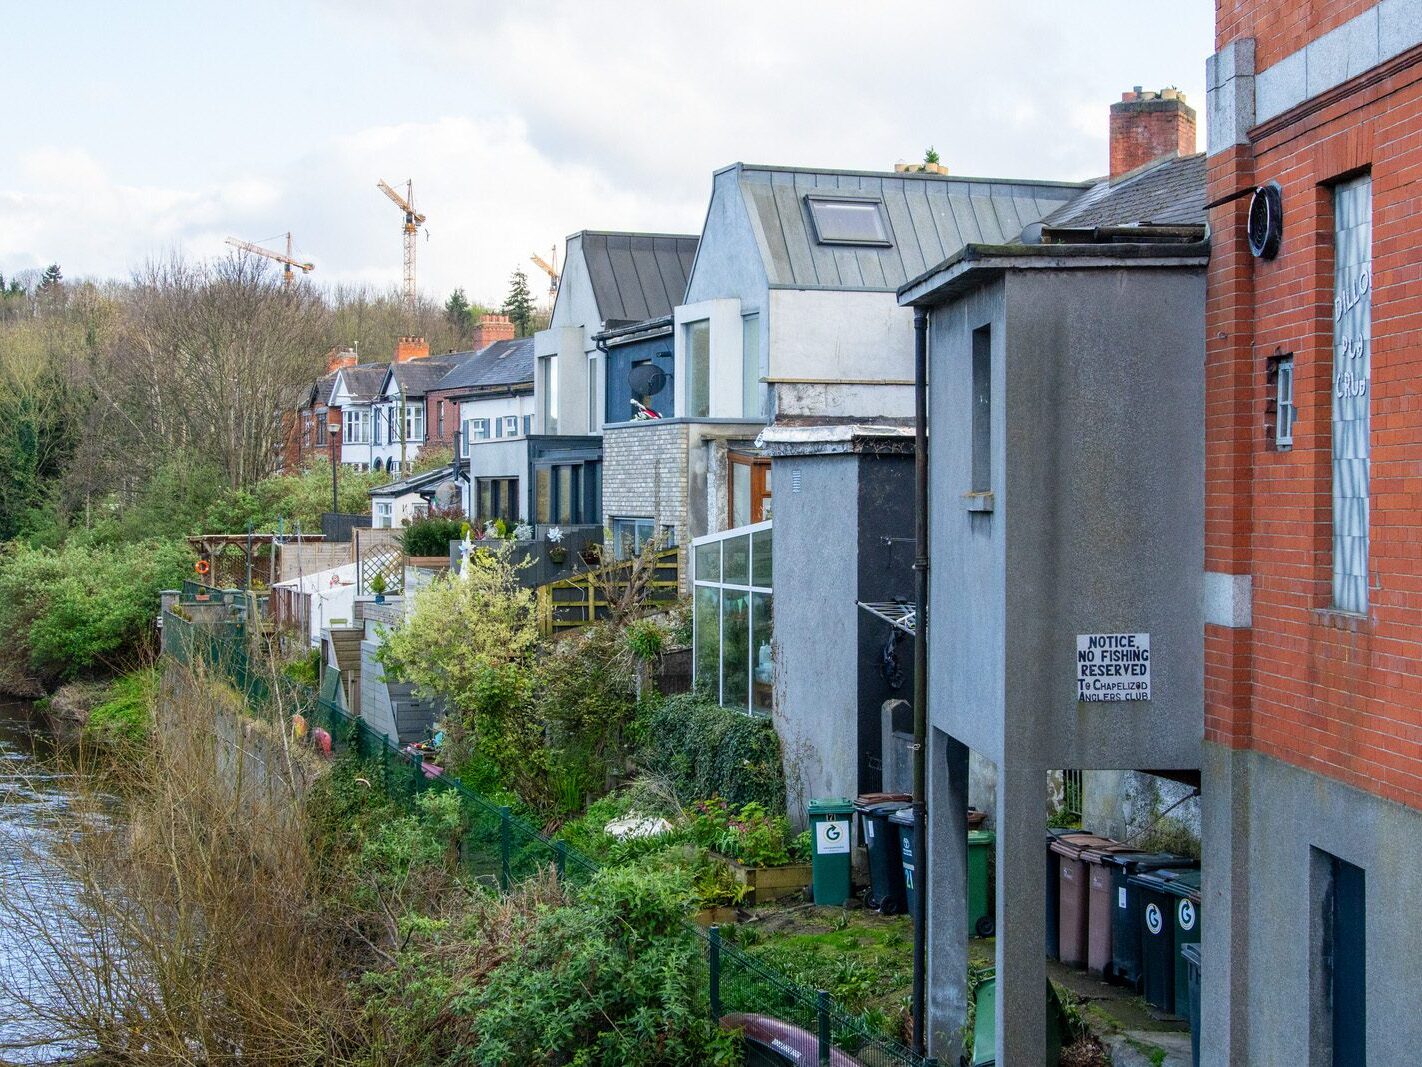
(1112, 667)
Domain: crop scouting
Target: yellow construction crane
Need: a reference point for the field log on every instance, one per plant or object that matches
(413, 221)
(286, 261)
(551, 269)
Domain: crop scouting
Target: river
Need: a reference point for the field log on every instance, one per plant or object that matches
(34, 795)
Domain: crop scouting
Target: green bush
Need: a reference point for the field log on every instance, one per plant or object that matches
(705, 750)
(76, 609)
(616, 979)
(749, 833)
(430, 535)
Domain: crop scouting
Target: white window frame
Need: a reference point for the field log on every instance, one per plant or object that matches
(384, 514)
(1285, 409)
(414, 421)
(719, 583)
(510, 425)
(356, 426)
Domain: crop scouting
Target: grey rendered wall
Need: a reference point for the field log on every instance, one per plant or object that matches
(728, 262)
(1103, 498)
(575, 305)
(506, 458)
(816, 628)
(968, 557)
(1263, 1000)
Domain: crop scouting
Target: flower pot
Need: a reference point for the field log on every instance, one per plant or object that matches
(380, 598)
(558, 554)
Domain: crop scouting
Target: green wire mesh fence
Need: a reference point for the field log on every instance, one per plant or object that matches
(500, 849)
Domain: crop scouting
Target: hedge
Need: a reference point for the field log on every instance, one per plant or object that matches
(705, 750)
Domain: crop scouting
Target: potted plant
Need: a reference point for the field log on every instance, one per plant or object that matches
(591, 554)
(378, 587)
(557, 553)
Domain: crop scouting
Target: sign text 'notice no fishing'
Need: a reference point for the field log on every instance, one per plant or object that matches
(1113, 666)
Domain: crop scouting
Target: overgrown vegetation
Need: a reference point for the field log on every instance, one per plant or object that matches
(705, 750)
(125, 719)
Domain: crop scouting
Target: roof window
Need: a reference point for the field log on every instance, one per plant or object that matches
(842, 220)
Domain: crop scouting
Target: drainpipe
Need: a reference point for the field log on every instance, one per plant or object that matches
(920, 676)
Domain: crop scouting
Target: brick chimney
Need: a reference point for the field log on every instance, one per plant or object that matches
(1148, 125)
(408, 348)
(340, 358)
(492, 328)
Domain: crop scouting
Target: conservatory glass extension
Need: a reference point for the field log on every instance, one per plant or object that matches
(731, 579)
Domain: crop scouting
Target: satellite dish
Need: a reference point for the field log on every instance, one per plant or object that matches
(645, 379)
(448, 494)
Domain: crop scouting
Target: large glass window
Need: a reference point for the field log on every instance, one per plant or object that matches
(550, 394)
(414, 422)
(497, 499)
(698, 361)
(752, 395)
(567, 493)
(630, 535)
(749, 489)
(1352, 392)
(732, 620)
(357, 426)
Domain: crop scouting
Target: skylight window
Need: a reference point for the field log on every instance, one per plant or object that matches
(848, 221)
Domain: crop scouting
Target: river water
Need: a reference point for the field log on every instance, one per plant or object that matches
(34, 797)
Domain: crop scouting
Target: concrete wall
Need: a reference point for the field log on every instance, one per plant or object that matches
(728, 262)
(726, 338)
(375, 707)
(1258, 912)
(501, 459)
(816, 565)
(568, 346)
(847, 353)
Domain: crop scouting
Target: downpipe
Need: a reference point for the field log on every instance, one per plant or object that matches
(920, 679)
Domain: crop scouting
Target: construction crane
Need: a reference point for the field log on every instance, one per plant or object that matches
(286, 261)
(551, 269)
(413, 221)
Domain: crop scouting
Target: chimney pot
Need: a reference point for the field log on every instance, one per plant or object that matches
(491, 328)
(408, 348)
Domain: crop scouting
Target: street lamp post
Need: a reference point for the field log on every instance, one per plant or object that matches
(333, 429)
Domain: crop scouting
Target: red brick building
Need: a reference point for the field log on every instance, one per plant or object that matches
(1313, 719)
(304, 434)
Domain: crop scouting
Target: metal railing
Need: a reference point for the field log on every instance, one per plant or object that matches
(498, 848)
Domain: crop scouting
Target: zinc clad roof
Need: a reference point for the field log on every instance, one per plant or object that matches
(503, 363)
(928, 216)
(1170, 192)
(637, 276)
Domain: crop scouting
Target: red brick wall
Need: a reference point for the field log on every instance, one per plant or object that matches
(1281, 27)
(1145, 127)
(433, 437)
(1336, 694)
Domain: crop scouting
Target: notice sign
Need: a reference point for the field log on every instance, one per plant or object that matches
(832, 836)
(1113, 666)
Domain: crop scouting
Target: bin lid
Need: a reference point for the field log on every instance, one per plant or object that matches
(904, 816)
(831, 806)
(1191, 951)
(1099, 853)
(1148, 861)
(864, 800)
(1183, 883)
(883, 808)
(1073, 845)
(1153, 880)
(981, 837)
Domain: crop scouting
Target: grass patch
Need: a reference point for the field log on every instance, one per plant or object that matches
(126, 717)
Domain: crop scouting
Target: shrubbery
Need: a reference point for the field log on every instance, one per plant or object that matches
(127, 716)
(705, 750)
(78, 609)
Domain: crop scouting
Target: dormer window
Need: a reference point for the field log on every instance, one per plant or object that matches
(846, 220)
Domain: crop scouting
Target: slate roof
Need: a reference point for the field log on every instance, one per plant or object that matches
(637, 276)
(364, 381)
(416, 377)
(1168, 192)
(929, 216)
(503, 363)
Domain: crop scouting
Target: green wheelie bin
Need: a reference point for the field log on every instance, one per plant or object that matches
(1185, 886)
(830, 862)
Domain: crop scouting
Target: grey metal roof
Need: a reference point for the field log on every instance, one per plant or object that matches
(637, 276)
(929, 216)
(503, 363)
(1170, 191)
(364, 380)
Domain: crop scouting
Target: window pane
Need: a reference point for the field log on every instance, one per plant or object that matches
(698, 358)
(981, 415)
(735, 649)
(550, 395)
(1352, 392)
(740, 495)
(849, 221)
(760, 559)
(750, 367)
(762, 664)
(565, 493)
(542, 496)
(708, 562)
(737, 560)
(707, 641)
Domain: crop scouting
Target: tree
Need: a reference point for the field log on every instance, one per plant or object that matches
(518, 305)
(456, 309)
(52, 278)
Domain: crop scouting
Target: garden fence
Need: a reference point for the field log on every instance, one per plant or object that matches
(500, 849)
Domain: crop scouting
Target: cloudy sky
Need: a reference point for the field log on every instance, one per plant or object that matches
(138, 127)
